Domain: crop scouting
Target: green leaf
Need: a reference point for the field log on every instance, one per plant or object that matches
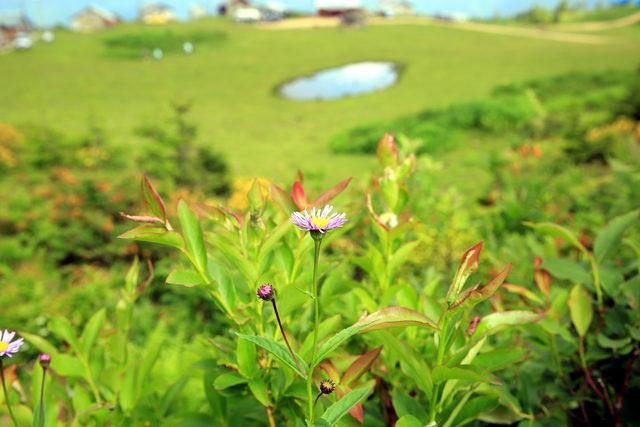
(499, 319)
(192, 236)
(409, 421)
(385, 318)
(474, 407)
(400, 256)
(610, 237)
(412, 363)
(259, 390)
(228, 379)
(67, 366)
(556, 230)
(580, 308)
(91, 331)
(499, 359)
(171, 394)
(154, 234)
(62, 328)
(278, 350)
(340, 408)
(131, 279)
(247, 358)
(127, 395)
(441, 374)
(188, 278)
(153, 199)
(567, 269)
(613, 344)
(274, 237)
(40, 343)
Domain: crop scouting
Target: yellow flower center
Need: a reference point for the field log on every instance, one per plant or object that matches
(319, 223)
(3, 346)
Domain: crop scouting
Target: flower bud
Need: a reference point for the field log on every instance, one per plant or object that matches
(327, 386)
(266, 292)
(387, 151)
(45, 360)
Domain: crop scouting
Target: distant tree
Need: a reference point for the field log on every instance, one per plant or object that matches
(175, 159)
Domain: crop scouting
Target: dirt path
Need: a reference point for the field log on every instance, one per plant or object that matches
(603, 25)
(538, 33)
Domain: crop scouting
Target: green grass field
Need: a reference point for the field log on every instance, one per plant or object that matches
(74, 81)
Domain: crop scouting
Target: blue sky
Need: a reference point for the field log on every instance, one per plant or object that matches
(49, 12)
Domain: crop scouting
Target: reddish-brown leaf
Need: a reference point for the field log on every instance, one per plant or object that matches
(299, 196)
(330, 194)
(360, 366)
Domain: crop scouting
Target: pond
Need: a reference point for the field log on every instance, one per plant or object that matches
(347, 80)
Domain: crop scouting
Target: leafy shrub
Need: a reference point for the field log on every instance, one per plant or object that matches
(135, 44)
(174, 156)
(439, 130)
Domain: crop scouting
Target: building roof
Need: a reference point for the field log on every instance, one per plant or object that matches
(155, 8)
(13, 19)
(338, 4)
(100, 11)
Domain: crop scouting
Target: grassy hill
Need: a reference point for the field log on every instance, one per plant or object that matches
(230, 81)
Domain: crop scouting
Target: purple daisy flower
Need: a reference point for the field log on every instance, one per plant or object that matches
(7, 347)
(321, 220)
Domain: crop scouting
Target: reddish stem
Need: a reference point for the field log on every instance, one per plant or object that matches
(284, 335)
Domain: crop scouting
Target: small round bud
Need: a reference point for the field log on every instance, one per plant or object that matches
(266, 292)
(327, 386)
(45, 360)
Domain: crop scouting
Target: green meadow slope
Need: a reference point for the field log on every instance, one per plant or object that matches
(75, 81)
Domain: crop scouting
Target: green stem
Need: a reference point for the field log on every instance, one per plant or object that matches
(317, 239)
(41, 409)
(6, 395)
(596, 280)
(439, 358)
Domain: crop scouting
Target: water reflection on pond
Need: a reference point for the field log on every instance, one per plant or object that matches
(348, 80)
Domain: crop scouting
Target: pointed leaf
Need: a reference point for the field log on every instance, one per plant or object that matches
(278, 350)
(504, 318)
(476, 295)
(385, 318)
(556, 230)
(472, 373)
(229, 379)
(91, 331)
(359, 367)
(299, 196)
(340, 408)
(154, 234)
(330, 194)
(468, 264)
(567, 269)
(61, 327)
(192, 236)
(40, 343)
(188, 278)
(153, 200)
(610, 236)
(580, 309)
(331, 371)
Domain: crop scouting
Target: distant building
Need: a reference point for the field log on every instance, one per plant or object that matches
(156, 14)
(393, 8)
(16, 31)
(93, 18)
(246, 14)
(338, 7)
(197, 11)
